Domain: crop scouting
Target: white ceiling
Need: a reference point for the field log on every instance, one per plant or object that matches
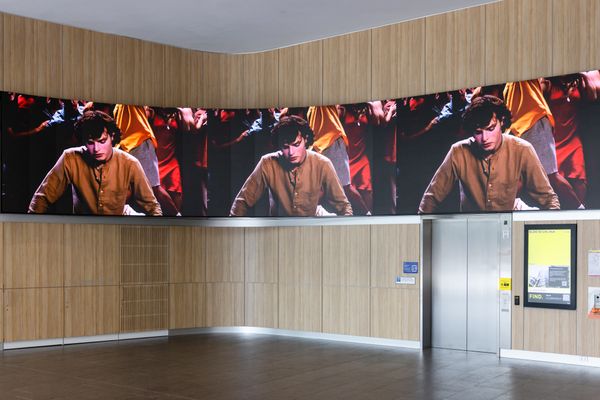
(230, 26)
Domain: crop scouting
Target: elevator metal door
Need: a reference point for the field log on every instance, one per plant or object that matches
(482, 284)
(465, 269)
(449, 284)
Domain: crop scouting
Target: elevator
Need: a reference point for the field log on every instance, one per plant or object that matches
(465, 308)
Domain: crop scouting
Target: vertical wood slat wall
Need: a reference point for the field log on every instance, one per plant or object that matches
(104, 279)
(557, 331)
(495, 43)
(144, 264)
(547, 38)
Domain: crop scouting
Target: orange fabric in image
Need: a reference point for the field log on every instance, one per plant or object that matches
(326, 124)
(569, 149)
(527, 104)
(168, 166)
(134, 126)
(571, 162)
(360, 170)
(361, 177)
(390, 141)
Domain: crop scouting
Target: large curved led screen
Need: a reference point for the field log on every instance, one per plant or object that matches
(516, 146)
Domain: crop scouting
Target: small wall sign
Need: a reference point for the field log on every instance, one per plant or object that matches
(406, 280)
(410, 267)
(505, 283)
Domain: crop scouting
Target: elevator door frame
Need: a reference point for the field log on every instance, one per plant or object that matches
(505, 271)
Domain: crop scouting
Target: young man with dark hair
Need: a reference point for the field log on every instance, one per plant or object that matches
(490, 167)
(101, 177)
(294, 176)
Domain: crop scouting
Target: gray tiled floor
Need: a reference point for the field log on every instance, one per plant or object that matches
(253, 366)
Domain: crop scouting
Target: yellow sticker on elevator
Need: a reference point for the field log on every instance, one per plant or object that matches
(505, 283)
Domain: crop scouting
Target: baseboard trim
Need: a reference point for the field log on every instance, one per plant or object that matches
(551, 357)
(411, 344)
(91, 339)
(82, 339)
(143, 335)
(22, 344)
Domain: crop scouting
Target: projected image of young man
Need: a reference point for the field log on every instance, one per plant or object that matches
(491, 167)
(298, 180)
(101, 177)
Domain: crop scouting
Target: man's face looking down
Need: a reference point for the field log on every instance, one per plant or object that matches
(295, 153)
(101, 148)
(489, 138)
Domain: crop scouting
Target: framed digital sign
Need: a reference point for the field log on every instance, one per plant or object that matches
(551, 266)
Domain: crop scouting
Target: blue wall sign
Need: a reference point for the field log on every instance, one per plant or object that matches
(411, 267)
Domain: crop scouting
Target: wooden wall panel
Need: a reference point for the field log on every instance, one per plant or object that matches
(398, 66)
(261, 252)
(395, 313)
(144, 308)
(178, 72)
(224, 254)
(455, 50)
(32, 56)
(300, 307)
(140, 72)
(346, 279)
(346, 255)
(390, 246)
(197, 80)
(588, 330)
(222, 77)
(89, 69)
(301, 75)
(300, 278)
(224, 304)
(260, 81)
(517, 284)
(144, 254)
(91, 310)
(347, 68)
(518, 40)
(394, 309)
(33, 255)
(261, 276)
(346, 310)
(187, 253)
(1, 276)
(187, 306)
(300, 250)
(551, 331)
(2, 284)
(91, 255)
(2, 316)
(144, 278)
(33, 314)
(261, 308)
(576, 31)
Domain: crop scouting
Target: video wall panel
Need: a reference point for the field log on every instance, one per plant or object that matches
(517, 146)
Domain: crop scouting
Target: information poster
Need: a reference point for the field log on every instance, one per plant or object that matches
(594, 262)
(550, 266)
